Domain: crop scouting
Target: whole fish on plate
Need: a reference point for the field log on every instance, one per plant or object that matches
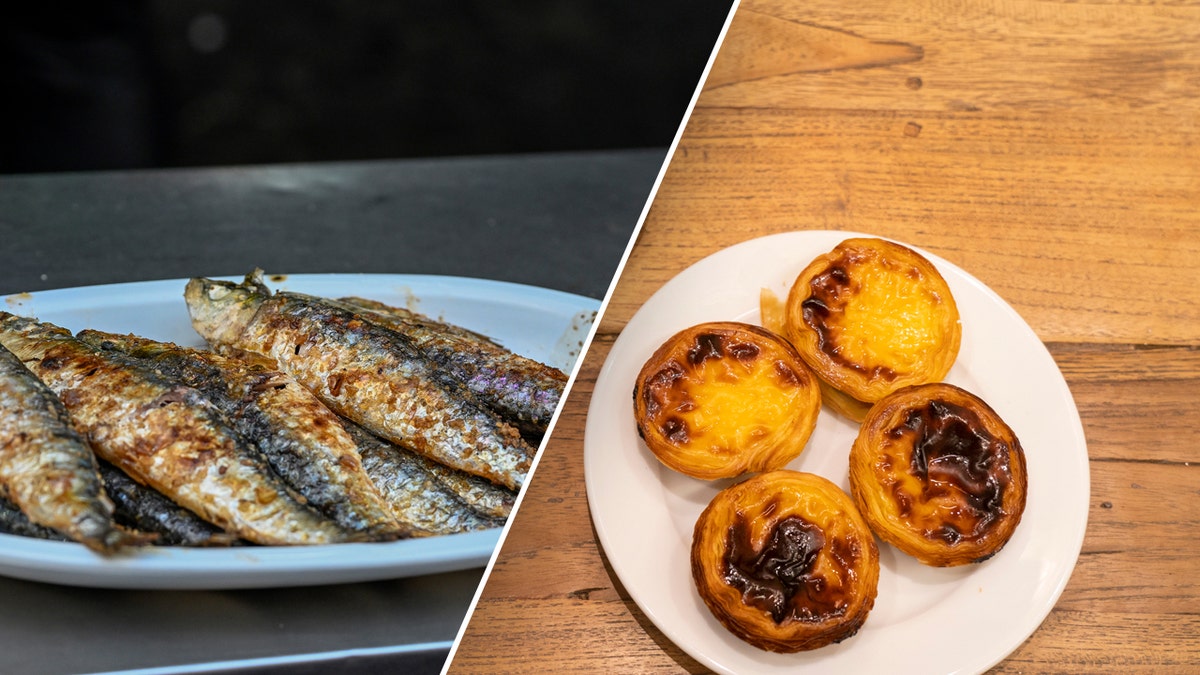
(523, 390)
(416, 496)
(168, 436)
(363, 371)
(301, 438)
(47, 468)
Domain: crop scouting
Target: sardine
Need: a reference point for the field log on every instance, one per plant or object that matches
(523, 390)
(415, 495)
(301, 438)
(482, 495)
(145, 509)
(47, 468)
(362, 371)
(14, 521)
(166, 435)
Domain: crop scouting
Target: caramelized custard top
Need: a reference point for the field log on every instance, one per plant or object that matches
(799, 575)
(724, 392)
(958, 472)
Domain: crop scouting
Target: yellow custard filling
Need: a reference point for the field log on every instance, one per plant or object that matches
(742, 403)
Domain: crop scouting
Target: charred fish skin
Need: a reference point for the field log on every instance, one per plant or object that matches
(301, 438)
(414, 493)
(524, 391)
(479, 494)
(148, 510)
(362, 371)
(47, 468)
(168, 436)
(14, 521)
(482, 495)
(405, 314)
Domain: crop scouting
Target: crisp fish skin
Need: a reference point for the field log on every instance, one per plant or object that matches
(147, 510)
(479, 494)
(482, 495)
(523, 390)
(168, 436)
(362, 371)
(14, 521)
(302, 439)
(415, 495)
(47, 468)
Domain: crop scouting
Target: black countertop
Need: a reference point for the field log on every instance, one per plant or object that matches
(554, 220)
(559, 221)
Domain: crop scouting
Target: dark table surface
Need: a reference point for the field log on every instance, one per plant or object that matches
(559, 221)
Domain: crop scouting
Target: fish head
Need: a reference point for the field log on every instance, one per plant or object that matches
(220, 310)
(29, 338)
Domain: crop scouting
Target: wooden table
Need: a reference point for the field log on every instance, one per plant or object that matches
(1052, 150)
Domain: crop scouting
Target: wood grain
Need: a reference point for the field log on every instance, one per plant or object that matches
(1051, 149)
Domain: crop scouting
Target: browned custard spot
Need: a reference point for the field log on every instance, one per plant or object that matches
(706, 346)
(668, 400)
(662, 394)
(779, 579)
(961, 466)
(787, 375)
(831, 290)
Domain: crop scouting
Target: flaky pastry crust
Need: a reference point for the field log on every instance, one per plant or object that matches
(869, 317)
(939, 475)
(724, 398)
(785, 562)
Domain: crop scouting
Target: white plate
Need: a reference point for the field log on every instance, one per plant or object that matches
(926, 620)
(543, 324)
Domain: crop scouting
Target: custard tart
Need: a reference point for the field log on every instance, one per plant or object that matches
(869, 317)
(785, 562)
(724, 398)
(939, 475)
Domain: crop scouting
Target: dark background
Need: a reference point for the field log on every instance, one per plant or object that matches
(162, 83)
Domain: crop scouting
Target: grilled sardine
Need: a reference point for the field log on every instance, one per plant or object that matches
(362, 371)
(14, 521)
(47, 468)
(482, 495)
(147, 510)
(415, 495)
(166, 435)
(524, 391)
(301, 438)
(479, 494)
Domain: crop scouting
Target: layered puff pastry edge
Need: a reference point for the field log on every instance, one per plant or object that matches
(785, 562)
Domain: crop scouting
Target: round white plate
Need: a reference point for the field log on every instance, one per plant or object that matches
(539, 323)
(926, 620)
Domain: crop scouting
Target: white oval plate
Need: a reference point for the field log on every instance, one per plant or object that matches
(926, 620)
(539, 323)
